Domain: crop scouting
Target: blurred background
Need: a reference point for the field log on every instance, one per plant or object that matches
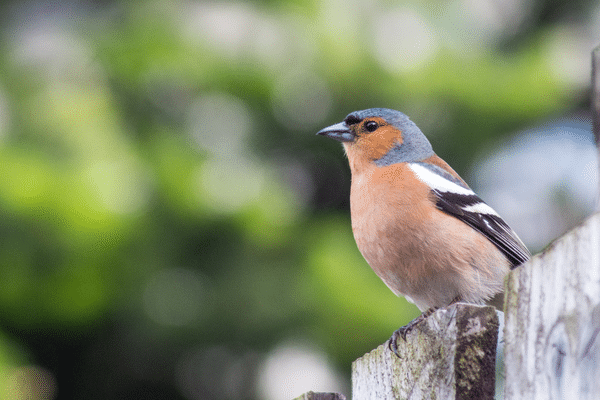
(172, 228)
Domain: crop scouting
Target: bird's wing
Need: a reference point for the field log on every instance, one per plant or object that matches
(458, 200)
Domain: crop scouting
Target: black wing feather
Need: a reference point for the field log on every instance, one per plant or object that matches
(490, 225)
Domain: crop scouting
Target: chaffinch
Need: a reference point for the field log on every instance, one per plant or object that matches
(424, 232)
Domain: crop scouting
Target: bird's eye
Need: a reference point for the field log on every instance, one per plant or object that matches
(371, 126)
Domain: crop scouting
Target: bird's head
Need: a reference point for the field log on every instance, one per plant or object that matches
(381, 136)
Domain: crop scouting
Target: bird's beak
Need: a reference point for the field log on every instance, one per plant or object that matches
(339, 132)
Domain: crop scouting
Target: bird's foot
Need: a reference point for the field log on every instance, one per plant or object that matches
(403, 331)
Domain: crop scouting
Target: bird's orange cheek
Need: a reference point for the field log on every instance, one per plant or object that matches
(377, 146)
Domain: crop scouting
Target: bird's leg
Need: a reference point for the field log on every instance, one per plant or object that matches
(455, 300)
(403, 331)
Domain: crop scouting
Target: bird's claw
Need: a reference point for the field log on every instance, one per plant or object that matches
(393, 342)
(401, 333)
(405, 330)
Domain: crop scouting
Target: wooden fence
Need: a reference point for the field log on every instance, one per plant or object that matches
(548, 347)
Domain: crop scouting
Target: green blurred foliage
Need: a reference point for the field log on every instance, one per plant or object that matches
(133, 230)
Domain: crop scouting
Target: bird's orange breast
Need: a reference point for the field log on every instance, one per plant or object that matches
(419, 251)
(390, 217)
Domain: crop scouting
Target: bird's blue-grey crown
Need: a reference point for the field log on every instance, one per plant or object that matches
(414, 147)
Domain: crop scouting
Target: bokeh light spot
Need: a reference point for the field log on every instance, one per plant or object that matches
(568, 55)
(120, 186)
(220, 123)
(403, 40)
(54, 52)
(225, 26)
(476, 24)
(227, 185)
(293, 368)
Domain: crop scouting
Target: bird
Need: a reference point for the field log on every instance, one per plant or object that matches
(416, 222)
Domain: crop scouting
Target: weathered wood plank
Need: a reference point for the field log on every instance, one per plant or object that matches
(596, 94)
(595, 100)
(321, 396)
(450, 356)
(552, 349)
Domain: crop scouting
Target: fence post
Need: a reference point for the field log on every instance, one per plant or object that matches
(595, 100)
(449, 356)
(552, 316)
